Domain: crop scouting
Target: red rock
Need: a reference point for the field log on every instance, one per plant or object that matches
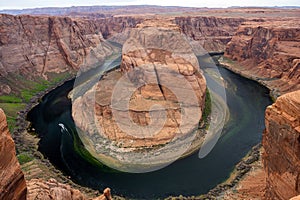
(268, 52)
(213, 33)
(147, 58)
(12, 182)
(51, 189)
(281, 141)
(34, 47)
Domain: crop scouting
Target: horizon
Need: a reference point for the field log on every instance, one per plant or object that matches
(35, 4)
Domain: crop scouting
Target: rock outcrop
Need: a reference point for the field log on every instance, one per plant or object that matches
(51, 189)
(156, 98)
(281, 141)
(38, 47)
(213, 33)
(268, 52)
(12, 182)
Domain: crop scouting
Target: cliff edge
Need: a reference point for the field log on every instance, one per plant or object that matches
(281, 141)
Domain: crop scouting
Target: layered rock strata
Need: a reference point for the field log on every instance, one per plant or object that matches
(156, 98)
(12, 182)
(281, 141)
(268, 52)
(212, 33)
(37, 47)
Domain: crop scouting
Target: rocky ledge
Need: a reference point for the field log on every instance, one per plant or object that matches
(156, 98)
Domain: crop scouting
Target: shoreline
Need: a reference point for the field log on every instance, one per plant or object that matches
(240, 171)
(27, 143)
(274, 92)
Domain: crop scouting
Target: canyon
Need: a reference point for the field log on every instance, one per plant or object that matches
(261, 44)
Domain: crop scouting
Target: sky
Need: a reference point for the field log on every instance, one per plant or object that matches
(20, 4)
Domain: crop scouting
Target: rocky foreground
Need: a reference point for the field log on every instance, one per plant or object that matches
(13, 184)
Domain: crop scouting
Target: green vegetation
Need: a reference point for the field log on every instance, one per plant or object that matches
(10, 99)
(11, 111)
(207, 108)
(85, 154)
(22, 92)
(24, 158)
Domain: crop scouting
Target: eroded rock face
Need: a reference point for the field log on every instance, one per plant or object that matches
(213, 33)
(35, 47)
(281, 141)
(155, 98)
(51, 189)
(268, 52)
(12, 182)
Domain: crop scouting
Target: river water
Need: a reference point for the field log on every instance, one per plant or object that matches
(246, 102)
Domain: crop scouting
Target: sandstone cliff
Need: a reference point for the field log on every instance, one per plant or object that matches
(213, 33)
(268, 52)
(35, 47)
(12, 182)
(281, 141)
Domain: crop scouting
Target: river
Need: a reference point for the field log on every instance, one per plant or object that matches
(246, 102)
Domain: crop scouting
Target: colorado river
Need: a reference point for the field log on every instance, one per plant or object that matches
(246, 102)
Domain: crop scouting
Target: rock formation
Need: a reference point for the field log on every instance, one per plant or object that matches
(12, 182)
(281, 141)
(268, 52)
(51, 189)
(159, 75)
(38, 47)
(213, 33)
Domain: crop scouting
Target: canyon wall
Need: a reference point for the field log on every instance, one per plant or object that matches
(12, 182)
(38, 47)
(33, 47)
(269, 53)
(213, 33)
(281, 141)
